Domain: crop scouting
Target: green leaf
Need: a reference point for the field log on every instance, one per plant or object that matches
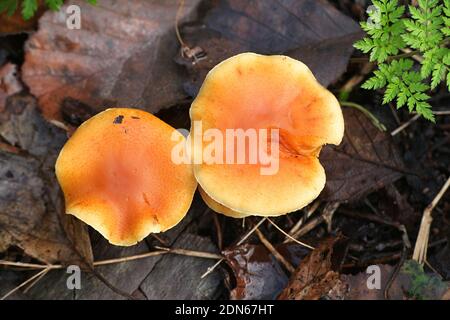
(29, 8)
(54, 5)
(437, 75)
(9, 6)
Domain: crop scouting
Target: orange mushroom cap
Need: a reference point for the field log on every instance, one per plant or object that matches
(251, 91)
(117, 175)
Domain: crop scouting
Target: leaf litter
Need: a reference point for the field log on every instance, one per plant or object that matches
(122, 63)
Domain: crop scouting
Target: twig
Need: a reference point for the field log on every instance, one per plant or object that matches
(377, 123)
(247, 235)
(112, 287)
(36, 280)
(395, 273)
(421, 247)
(161, 251)
(326, 216)
(218, 231)
(159, 239)
(405, 125)
(130, 258)
(177, 21)
(289, 236)
(274, 251)
(25, 283)
(191, 253)
(308, 213)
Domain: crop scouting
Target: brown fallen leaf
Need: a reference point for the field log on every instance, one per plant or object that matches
(31, 204)
(411, 283)
(310, 30)
(366, 160)
(122, 56)
(318, 273)
(258, 274)
(9, 83)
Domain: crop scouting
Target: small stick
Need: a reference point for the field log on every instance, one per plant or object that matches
(218, 231)
(405, 125)
(190, 253)
(213, 267)
(274, 251)
(161, 251)
(36, 280)
(308, 213)
(25, 283)
(326, 216)
(159, 239)
(421, 247)
(130, 258)
(289, 236)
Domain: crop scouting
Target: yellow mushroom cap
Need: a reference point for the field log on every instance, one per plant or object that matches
(118, 176)
(251, 91)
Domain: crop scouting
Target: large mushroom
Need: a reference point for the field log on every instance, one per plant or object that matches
(117, 175)
(251, 91)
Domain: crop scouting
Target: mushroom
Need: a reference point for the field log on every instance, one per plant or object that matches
(117, 175)
(275, 93)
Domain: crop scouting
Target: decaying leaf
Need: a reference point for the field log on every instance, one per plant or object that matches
(258, 274)
(310, 30)
(365, 161)
(318, 273)
(31, 205)
(9, 83)
(122, 56)
(184, 273)
(410, 283)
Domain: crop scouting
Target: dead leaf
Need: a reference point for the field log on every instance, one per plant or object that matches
(258, 274)
(184, 273)
(366, 160)
(31, 204)
(128, 276)
(9, 83)
(310, 30)
(410, 283)
(318, 273)
(122, 56)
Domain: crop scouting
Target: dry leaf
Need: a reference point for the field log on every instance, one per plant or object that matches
(31, 204)
(258, 274)
(366, 160)
(310, 30)
(121, 56)
(318, 273)
(9, 83)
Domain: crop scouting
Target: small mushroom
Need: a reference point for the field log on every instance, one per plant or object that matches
(117, 175)
(252, 91)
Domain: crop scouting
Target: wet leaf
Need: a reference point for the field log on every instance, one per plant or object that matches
(184, 273)
(121, 56)
(309, 30)
(258, 274)
(411, 283)
(318, 273)
(366, 160)
(31, 205)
